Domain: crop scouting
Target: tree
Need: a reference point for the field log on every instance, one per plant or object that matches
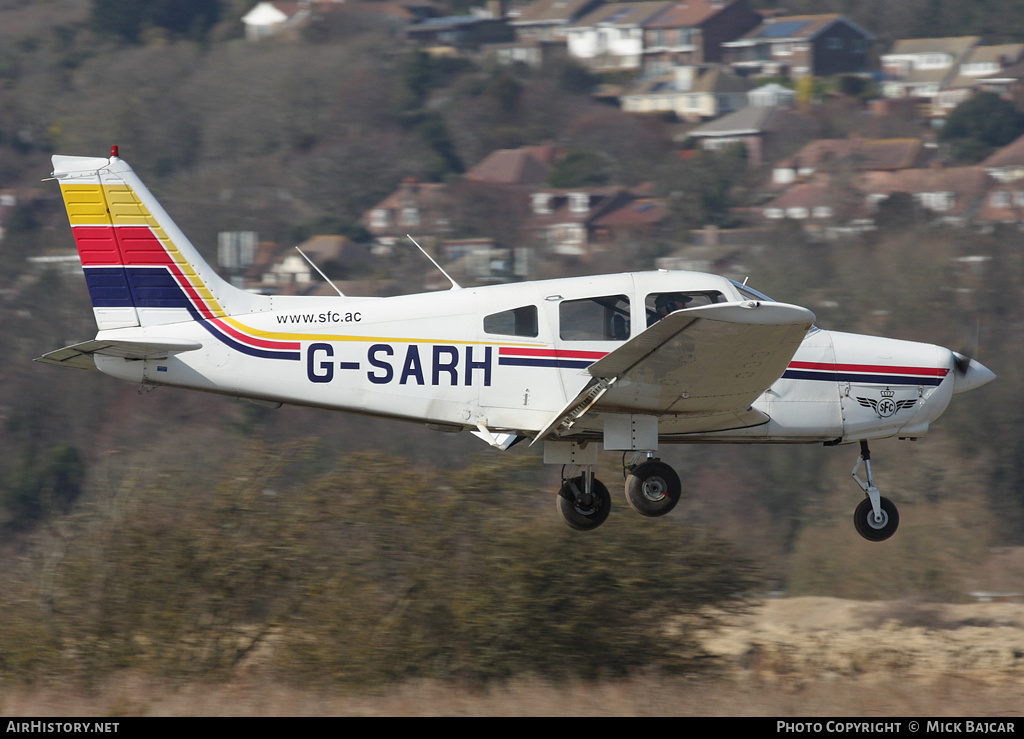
(981, 124)
(579, 168)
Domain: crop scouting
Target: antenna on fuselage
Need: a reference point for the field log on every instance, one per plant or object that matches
(455, 285)
(313, 265)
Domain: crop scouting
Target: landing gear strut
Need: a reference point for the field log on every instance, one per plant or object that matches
(583, 501)
(876, 518)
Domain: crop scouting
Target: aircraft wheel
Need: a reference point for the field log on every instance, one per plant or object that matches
(581, 514)
(872, 530)
(653, 489)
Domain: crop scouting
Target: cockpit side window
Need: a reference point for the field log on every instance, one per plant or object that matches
(515, 322)
(604, 318)
(659, 305)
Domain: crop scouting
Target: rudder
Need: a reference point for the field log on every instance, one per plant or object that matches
(140, 269)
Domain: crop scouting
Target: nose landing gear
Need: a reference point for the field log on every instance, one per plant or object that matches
(876, 518)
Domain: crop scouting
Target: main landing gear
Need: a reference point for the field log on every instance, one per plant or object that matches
(876, 518)
(583, 501)
(652, 489)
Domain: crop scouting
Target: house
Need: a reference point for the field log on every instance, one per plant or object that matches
(980, 62)
(568, 222)
(480, 260)
(691, 93)
(612, 36)
(952, 194)
(528, 165)
(799, 45)
(771, 94)
(921, 67)
(632, 223)
(290, 273)
(691, 32)
(461, 31)
(761, 129)
(1004, 203)
(419, 206)
(1007, 164)
(1008, 83)
(807, 201)
(547, 20)
(275, 18)
(854, 154)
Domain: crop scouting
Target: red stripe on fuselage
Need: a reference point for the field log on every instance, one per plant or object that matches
(872, 368)
(555, 353)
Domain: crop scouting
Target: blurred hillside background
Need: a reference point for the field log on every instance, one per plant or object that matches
(188, 537)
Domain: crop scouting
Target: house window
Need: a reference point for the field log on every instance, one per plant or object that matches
(834, 42)
(579, 202)
(410, 217)
(379, 218)
(604, 318)
(937, 201)
(1000, 199)
(542, 202)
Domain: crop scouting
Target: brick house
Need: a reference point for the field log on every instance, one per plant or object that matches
(692, 32)
(800, 45)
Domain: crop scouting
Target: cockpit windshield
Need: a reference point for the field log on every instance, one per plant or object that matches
(750, 293)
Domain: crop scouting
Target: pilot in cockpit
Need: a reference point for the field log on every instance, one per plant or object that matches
(669, 303)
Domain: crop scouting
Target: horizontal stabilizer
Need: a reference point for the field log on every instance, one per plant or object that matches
(81, 355)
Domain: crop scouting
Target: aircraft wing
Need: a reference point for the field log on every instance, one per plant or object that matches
(81, 355)
(707, 363)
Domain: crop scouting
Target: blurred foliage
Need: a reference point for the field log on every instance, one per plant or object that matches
(980, 125)
(129, 19)
(579, 168)
(373, 572)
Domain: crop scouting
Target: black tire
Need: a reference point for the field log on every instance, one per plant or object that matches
(864, 520)
(653, 489)
(584, 516)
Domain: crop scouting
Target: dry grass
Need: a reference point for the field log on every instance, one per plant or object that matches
(648, 696)
(795, 657)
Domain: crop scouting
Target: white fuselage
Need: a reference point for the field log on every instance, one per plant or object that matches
(454, 359)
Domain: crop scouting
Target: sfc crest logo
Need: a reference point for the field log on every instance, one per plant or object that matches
(886, 405)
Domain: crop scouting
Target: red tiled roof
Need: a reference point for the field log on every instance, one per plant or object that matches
(525, 166)
(1011, 155)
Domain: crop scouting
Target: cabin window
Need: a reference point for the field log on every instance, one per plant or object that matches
(515, 322)
(605, 318)
(659, 305)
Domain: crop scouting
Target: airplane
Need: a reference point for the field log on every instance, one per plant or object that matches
(624, 362)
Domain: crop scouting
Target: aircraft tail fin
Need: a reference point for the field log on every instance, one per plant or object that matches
(140, 268)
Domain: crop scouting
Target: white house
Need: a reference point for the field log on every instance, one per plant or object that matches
(270, 19)
(612, 37)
